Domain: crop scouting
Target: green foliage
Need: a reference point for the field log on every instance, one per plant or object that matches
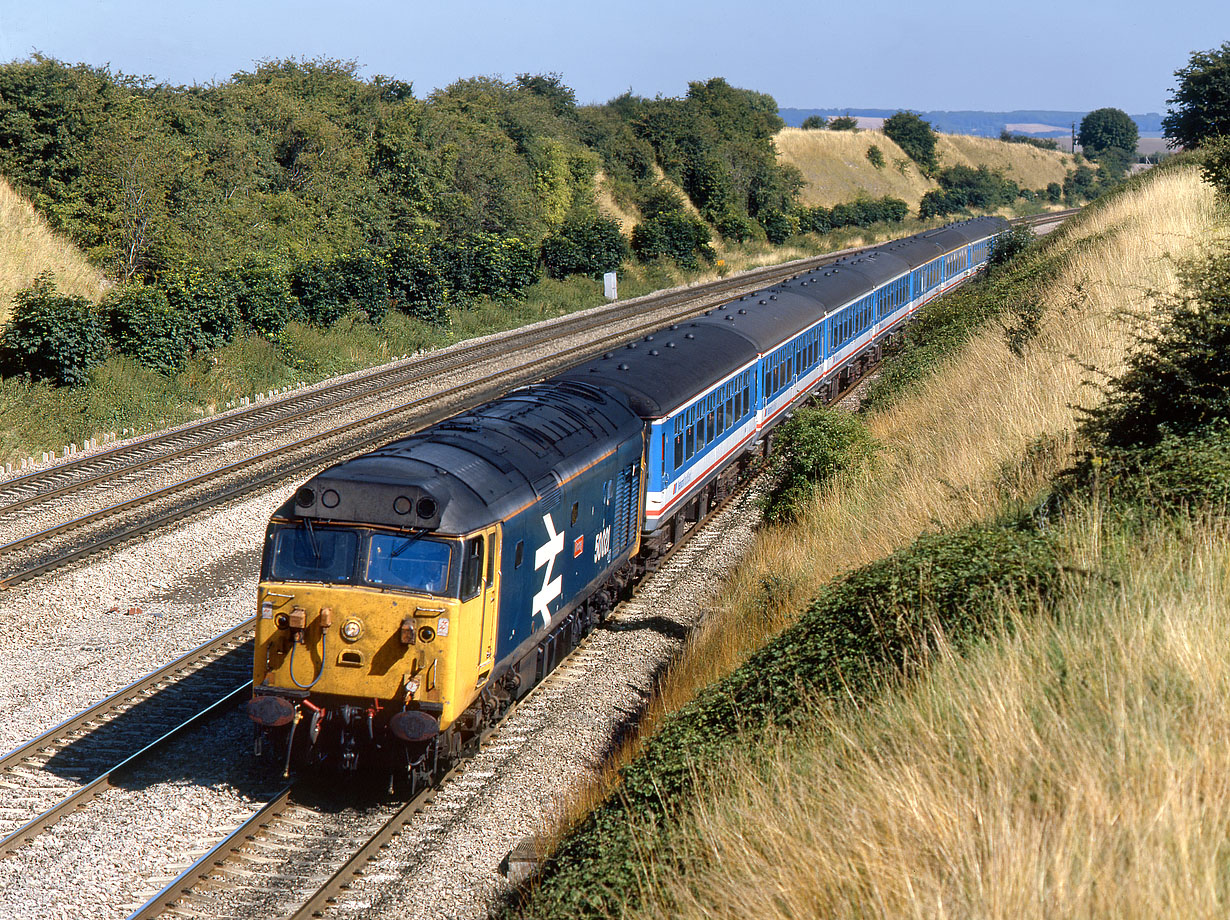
(777, 226)
(808, 451)
(264, 296)
(862, 212)
(1042, 143)
(484, 264)
(1178, 380)
(1215, 164)
(965, 188)
(875, 156)
(416, 283)
(1080, 185)
(680, 236)
(1200, 107)
(52, 336)
(881, 620)
(329, 287)
(1105, 128)
(586, 244)
(813, 123)
(208, 304)
(843, 123)
(914, 136)
(1054, 192)
(144, 325)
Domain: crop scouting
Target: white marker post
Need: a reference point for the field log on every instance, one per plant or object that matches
(608, 286)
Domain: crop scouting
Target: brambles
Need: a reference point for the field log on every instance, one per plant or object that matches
(52, 336)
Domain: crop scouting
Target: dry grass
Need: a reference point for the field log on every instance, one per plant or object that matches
(29, 247)
(836, 167)
(1028, 166)
(1079, 768)
(952, 451)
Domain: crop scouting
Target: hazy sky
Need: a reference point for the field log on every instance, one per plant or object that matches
(964, 54)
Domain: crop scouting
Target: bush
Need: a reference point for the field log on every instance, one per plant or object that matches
(843, 123)
(143, 324)
(329, 287)
(415, 281)
(809, 450)
(734, 226)
(1178, 381)
(584, 245)
(777, 226)
(1215, 164)
(875, 156)
(52, 336)
(813, 123)
(1054, 192)
(209, 308)
(264, 297)
(862, 212)
(680, 236)
(484, 264)
(914, 136)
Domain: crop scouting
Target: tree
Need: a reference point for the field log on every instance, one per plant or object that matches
(52, 336)
(844, 123)
(813, 123)
(1200, 106)
(1103, 129)
(914, 136)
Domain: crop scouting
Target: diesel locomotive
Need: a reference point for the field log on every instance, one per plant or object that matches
(410, 595)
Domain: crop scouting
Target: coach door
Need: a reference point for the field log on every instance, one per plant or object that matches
(491, 600)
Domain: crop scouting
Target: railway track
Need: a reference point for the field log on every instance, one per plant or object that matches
(62, 769)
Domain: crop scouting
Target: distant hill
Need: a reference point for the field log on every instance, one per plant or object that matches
(1037, 122)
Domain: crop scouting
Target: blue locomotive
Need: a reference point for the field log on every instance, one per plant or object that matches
(409, 595)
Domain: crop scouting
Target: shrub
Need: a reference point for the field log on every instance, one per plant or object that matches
(813, 123)
(1054, 192)
(415, 281)
(1178, 381)
(143, 324)
(264, 296)
(52, 336)
(680, 236)
(329, 287)
(875, 156)
(584, 245)
(809, 450)
(843, 123)
(208, 305)
(484, 264)
(914, 136)
(734, 226)
(777, 226)
(1215, 164)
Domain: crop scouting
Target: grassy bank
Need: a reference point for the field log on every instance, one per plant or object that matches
(836, 167)
(28, 247)
(983, 437)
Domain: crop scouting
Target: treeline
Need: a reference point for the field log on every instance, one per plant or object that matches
(301, 191)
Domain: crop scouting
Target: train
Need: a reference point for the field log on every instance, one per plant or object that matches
(410, 595)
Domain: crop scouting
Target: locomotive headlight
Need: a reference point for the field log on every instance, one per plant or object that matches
(352, 629)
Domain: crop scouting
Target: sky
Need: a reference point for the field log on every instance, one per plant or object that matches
(964, 54)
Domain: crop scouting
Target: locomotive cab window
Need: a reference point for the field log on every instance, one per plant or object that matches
(311, 553)
(576, 506)
(413, 563)
(472, 568)
(519, 555)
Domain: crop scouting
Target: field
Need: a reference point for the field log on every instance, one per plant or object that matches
(836, 167)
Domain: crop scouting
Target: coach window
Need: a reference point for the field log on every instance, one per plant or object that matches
(699, 428)
(712, 428)
(472, 568)
(691, 442)
(678, 448)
